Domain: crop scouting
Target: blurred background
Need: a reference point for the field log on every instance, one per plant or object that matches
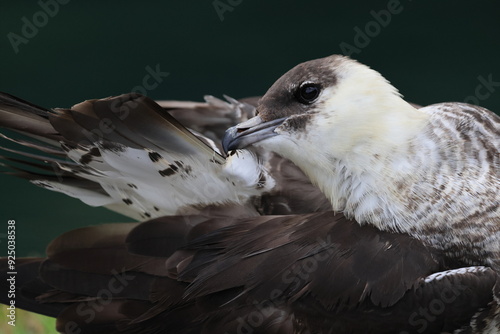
(58, 53)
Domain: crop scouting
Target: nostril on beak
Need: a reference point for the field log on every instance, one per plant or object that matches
(239, 130)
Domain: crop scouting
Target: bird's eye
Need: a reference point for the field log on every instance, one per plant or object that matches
(307, 92)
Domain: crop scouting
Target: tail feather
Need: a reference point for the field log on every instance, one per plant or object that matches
(27, 287)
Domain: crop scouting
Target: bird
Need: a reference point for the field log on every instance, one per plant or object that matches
(241, 241)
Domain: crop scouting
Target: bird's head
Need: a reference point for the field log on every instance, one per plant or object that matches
(326, 110)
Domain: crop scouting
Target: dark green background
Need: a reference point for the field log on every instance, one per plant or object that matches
(433, 51)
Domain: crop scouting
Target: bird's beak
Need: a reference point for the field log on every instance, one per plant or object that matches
(249, 132)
